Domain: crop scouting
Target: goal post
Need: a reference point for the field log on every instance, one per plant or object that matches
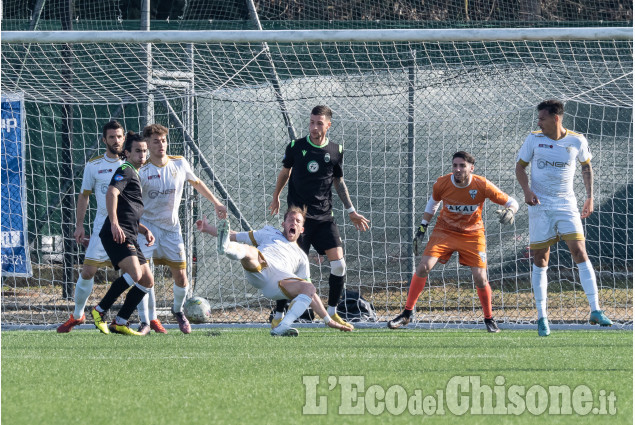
(404, 101)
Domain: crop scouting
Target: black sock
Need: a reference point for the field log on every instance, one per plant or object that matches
(134, 297)
(117, 288)
(280, 305)
(336, 284)
(407, 312)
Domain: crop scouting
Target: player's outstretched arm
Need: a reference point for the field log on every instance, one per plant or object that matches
(281, 182)
(361, 223)
(111, 207)
(204, 227)
(201, 187)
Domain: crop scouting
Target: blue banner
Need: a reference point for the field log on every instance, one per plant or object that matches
(14, 245)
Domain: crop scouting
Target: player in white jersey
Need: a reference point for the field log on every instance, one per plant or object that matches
(275, 265)
(97, 175)
(553, 211)
(163, 179)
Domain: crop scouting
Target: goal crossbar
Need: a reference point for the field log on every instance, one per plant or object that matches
(317, 36)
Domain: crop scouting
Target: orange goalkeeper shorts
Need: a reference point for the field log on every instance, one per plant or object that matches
(471, 248)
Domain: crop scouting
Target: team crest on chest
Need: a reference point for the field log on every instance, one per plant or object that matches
(473, 193)
(327, 157)
(312, 166)
(173, 173)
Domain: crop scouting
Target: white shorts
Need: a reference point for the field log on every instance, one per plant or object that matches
(168, 248)
(95, 253)
(268, 279)
(547, 227)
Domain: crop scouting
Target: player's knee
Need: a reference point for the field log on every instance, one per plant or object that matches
(309, 290)
(338, 267)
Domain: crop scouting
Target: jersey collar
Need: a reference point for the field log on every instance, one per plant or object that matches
(128, 164)
(461, 187)
(326, 142)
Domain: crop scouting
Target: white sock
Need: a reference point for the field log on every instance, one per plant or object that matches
(539, 284)
(296, 308)
(179, 297)
(152, 304)
(83, 289)
(331, 310)
(589, 284)
(128, 279)
(278, 315)
(142, 307)
(235, 251)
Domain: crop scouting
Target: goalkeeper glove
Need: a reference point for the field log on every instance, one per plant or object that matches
(506, 216)
(418, 239)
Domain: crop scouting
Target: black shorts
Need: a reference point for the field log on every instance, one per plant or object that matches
(119, 251)
(322, 235)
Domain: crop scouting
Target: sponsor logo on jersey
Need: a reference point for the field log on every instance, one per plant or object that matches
(542, 145)
(327, 157)
(303, 152)
(312, 167)
(555, 164)
(156, 176)
(106, 170)
(473, 193)
(118, 177)
(483, 256)
(157, 193)
(463, 209)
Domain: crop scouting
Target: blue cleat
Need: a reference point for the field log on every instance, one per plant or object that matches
(599, 318)
(543, 327)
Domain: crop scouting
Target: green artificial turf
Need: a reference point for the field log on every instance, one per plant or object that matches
(245, 376)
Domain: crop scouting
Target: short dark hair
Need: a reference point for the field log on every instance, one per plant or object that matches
(466, 156)
(553, 106)
(151, 129)
(322, 110)
(131, 137)
(111, 125)
(296, 210)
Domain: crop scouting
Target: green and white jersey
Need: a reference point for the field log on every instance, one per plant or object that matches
(553, 164)
(313, 170)
(97, 175)
(163, 189)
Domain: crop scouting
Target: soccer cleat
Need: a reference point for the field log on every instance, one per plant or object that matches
(543, 327)
(184, 324)
(100, 323)
(402, 320)
(341, 321)
(123, 329)
(144, 328)
(285, 332)
(156, 326)
(68, 326)
(491, 326)
(276, 322)
(599, 318)
(223, 236)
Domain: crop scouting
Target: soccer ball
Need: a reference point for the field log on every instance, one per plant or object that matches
(197, 310)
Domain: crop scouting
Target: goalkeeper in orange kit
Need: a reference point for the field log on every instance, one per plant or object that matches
(459, 228)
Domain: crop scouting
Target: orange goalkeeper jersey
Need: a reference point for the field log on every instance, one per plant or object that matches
(463, 206)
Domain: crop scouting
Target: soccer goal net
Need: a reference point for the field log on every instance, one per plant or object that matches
(403, 100)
